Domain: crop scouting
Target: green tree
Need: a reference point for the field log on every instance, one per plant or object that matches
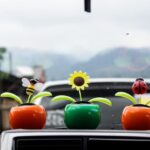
(2, 52)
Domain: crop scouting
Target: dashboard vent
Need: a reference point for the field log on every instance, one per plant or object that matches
(77, 143)
(117, 143)
(47, 143)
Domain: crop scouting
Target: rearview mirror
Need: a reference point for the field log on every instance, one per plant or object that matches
(87, 5)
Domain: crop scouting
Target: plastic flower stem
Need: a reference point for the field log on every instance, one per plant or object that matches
(80, 95)
(29, 98)
(140, 99)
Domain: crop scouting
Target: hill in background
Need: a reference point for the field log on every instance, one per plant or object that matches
(116, 62)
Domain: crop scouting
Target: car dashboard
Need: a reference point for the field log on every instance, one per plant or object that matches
(57, 139)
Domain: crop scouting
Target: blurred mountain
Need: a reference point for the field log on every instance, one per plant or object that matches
(53, 62)
(119, 62)
(116, 62)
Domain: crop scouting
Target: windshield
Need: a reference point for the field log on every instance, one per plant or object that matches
(48, 40)
(57, 37)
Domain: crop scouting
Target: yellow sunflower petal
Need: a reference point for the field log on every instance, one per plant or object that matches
(86, 85)
(73, 86)
(87, 77)
(82, 87)
(77, 88)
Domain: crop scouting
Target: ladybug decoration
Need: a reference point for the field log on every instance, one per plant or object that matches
(137, 115)
(139, 86)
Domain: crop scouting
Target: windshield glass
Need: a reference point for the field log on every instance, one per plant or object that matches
(48, 40)
(57, 37)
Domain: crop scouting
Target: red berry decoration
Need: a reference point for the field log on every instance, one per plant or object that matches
(139, 86)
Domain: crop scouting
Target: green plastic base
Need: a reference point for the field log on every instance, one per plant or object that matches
(82, 116)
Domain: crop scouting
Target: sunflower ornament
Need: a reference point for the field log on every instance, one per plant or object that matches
(79, 81)
(81, 114)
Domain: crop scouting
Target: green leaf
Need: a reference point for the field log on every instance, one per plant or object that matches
(127, 96)
(39, 95)
(63, 97)
(148, 103)
(12, 96)
(101, 100)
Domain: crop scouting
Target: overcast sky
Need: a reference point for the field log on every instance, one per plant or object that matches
(62, 25)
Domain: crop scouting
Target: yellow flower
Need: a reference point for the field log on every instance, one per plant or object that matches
(79, 80)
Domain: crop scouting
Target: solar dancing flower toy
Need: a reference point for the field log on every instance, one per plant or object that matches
(137, 115)
(27, 115)
(81, 114)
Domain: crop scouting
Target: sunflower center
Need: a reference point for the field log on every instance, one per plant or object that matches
(79, 81)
